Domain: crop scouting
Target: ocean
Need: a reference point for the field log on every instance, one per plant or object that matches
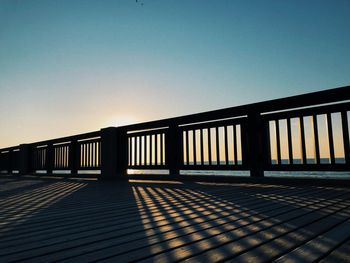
(296, 174)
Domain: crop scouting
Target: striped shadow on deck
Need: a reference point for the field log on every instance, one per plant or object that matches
(49, 220)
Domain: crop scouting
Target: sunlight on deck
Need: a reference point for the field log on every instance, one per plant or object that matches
(83, 221)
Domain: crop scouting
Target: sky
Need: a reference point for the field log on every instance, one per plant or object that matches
(69, 67)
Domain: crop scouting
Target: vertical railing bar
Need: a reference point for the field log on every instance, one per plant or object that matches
(226, 145)
(317, 143)
(302, 137)
(187, 149)
(330, 137)
(89, 154)
(61, 166)
(194, 147)
(58, 157)
(80, 162)
(61, 156)
(183, 134)
(278, 140)
(209, 146)
(345, 126)
(217, 146)
(133, 162)
(45, 152)
(132, 149)
(290, 142)
(64, 156)
(81, 159)
(99, 153)
(235, 150)
(86, 155)
(135, 151)
(96, 154)
(161, 149)
(156, 148)
(150, 149)
(145, 150)
(140, 149)
(61, 153)
(93, 154)
(129, 151)
(56, 160)
(202, 145)
(44, 157)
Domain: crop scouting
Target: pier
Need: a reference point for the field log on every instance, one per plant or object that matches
(73, 199)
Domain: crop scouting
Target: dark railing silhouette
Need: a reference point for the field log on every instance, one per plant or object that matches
(308, 132)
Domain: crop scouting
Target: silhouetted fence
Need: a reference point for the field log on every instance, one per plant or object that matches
(307, 132)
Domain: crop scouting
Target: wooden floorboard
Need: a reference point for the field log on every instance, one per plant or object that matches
(49, 220)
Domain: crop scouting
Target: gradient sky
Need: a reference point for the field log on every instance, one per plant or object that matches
(68, 67)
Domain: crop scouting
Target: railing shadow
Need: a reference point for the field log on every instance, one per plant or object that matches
(83, 221)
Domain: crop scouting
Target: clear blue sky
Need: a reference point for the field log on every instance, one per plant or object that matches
(68, 67)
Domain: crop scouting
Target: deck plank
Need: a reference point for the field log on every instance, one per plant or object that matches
(81, 221)
(319, 246)
(341, 254)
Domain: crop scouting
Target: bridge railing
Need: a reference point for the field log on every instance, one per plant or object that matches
(308, 132)
(315, 138)
(63, 155)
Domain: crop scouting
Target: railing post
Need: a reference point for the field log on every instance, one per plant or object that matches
(24, 162)
(73, 157)
(113, 153)
(255, 144)
(49, 162)
(173, 148)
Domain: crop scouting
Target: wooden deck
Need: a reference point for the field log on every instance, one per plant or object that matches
(50, 220)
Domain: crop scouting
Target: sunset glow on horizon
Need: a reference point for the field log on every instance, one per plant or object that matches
(70, 67)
